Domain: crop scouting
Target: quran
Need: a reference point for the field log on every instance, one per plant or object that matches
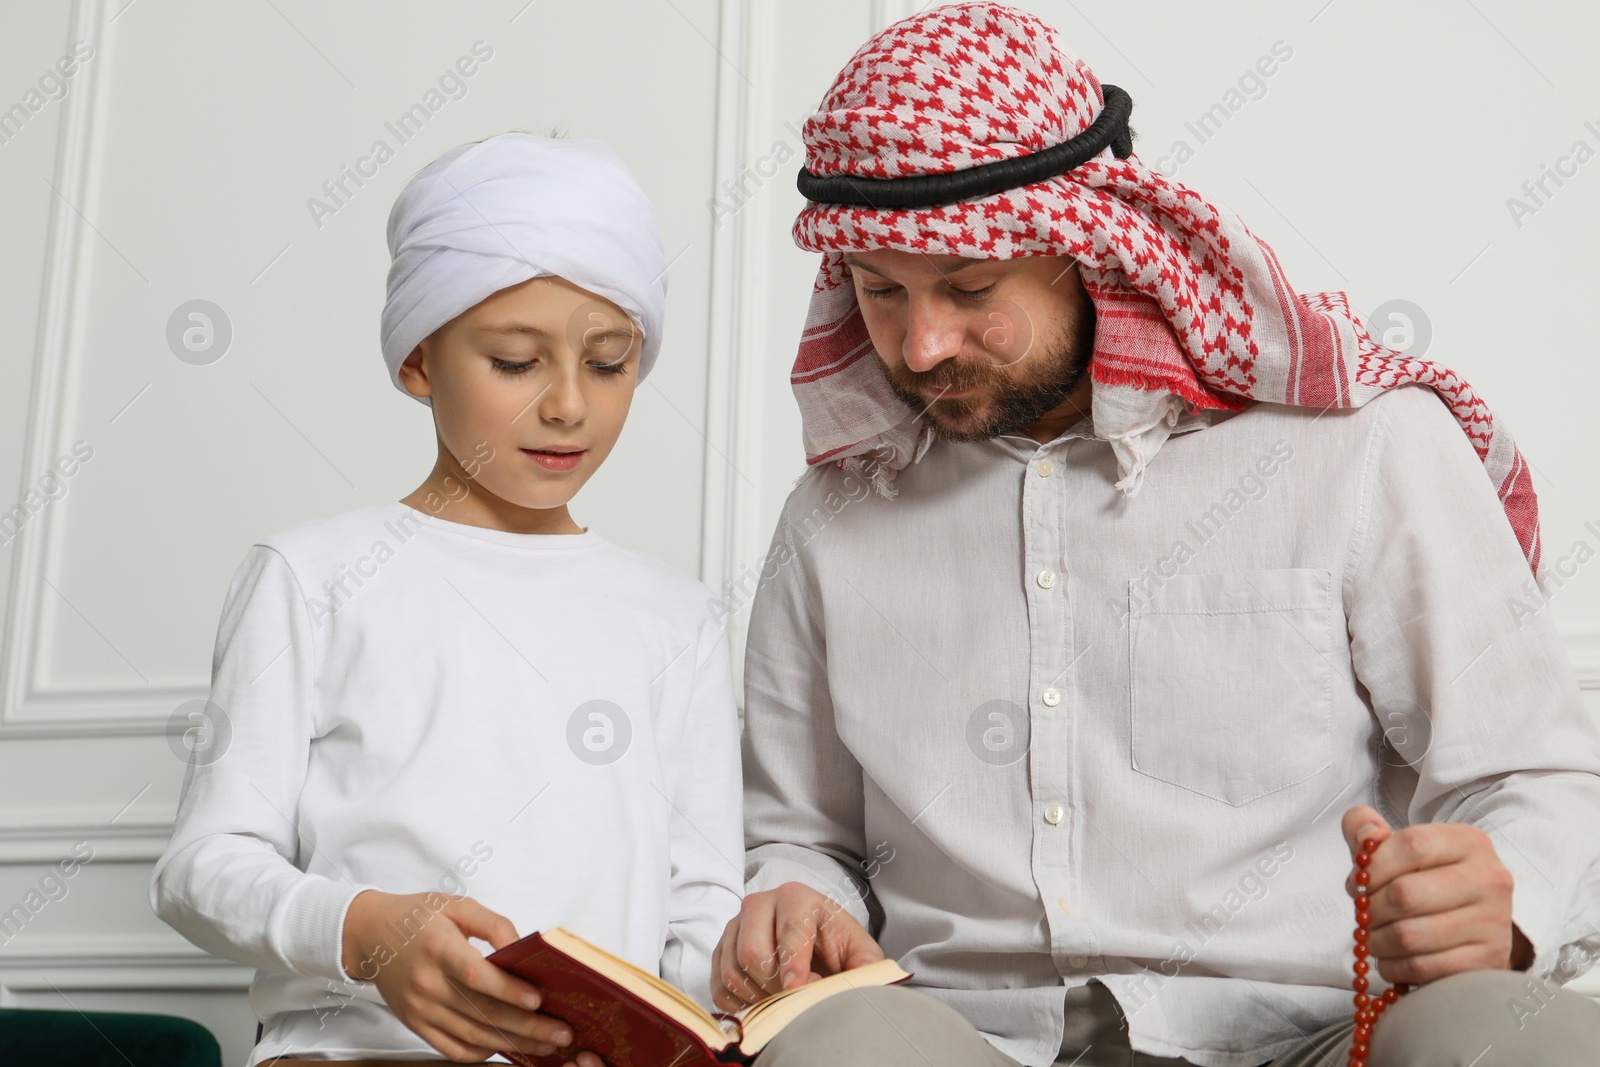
(631, 1018)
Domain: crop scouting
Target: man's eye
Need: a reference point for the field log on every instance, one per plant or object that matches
(878, 294)
(976, 294)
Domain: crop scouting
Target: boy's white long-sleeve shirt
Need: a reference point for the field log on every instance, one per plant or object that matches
(542, 722)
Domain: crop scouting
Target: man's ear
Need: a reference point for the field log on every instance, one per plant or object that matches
(413, 375)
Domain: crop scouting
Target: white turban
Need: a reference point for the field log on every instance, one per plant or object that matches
(491, 214)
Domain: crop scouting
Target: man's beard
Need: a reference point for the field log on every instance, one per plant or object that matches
(1013, 404)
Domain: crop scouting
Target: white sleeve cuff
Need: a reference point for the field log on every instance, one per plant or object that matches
(308, 926)
(1532, 915)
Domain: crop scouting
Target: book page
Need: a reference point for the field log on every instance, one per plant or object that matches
(661, 995)
(765, 1019)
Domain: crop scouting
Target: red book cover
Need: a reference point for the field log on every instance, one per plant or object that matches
(631, 1018)
(606, 1018)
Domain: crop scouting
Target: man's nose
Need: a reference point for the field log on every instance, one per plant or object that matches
(933, 335)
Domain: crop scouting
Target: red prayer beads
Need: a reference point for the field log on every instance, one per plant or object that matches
(1368, 1008)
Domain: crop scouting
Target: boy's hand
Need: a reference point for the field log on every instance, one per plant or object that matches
(785, 937)
(1440, 899)
(414, 948)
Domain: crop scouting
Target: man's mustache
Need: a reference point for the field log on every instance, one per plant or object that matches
(943, 378)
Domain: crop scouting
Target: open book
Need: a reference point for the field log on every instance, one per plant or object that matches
(631, 1018)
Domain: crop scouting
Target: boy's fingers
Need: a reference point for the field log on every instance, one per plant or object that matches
(475, 920)
(481, 976)
(492, 996)
(477, 1035)
(452, 1048)
(485, 1023)
(464, 965)
(510, 1024)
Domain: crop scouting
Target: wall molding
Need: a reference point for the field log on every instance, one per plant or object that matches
(119, 964)
(42, 842)
(736, 388)
(26, 709)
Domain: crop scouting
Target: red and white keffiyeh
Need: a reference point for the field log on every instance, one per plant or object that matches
(1190, 307)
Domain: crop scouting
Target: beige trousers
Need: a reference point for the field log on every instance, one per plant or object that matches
(1461, 1021)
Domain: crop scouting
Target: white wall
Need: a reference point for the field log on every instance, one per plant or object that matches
(178, 165)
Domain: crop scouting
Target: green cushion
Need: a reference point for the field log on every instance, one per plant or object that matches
(103, 1039)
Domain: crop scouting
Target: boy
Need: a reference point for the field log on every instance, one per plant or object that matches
(461, 715)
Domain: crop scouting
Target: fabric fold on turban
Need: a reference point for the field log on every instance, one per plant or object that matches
(1192, 310)
(494, 213)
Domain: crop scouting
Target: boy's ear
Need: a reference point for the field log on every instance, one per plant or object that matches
(413, 375)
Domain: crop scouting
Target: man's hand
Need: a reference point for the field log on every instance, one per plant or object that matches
(1440, 899)
(414, 948)
(785, 937)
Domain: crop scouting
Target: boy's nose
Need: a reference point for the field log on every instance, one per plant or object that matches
(564, 400)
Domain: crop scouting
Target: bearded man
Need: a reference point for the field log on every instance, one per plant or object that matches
(1172, 593)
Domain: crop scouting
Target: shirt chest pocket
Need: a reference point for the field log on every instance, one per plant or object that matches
(1229, 679)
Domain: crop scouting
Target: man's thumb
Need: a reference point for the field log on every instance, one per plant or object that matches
(864, 951)
(1362, 823)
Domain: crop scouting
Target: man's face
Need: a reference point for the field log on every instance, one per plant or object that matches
(976, 347)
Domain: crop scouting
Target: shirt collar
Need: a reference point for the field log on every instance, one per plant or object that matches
(1188, 421)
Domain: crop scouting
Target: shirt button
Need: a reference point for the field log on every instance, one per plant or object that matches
(1054, 814)
(1045, 467)
(1077, 961)
(1046, 579)
(1050, 697)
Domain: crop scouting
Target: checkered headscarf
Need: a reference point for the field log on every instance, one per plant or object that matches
(1191, 308)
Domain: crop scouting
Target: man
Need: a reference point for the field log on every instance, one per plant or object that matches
(1169, 570)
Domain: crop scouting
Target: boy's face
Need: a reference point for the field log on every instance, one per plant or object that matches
(538, 368)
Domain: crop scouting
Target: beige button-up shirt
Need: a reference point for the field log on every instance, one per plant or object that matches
(1033, 732)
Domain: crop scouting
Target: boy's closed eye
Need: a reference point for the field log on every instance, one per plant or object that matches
(507, 366)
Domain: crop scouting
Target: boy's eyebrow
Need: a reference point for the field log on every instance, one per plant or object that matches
(544, 335)
(515, 327)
